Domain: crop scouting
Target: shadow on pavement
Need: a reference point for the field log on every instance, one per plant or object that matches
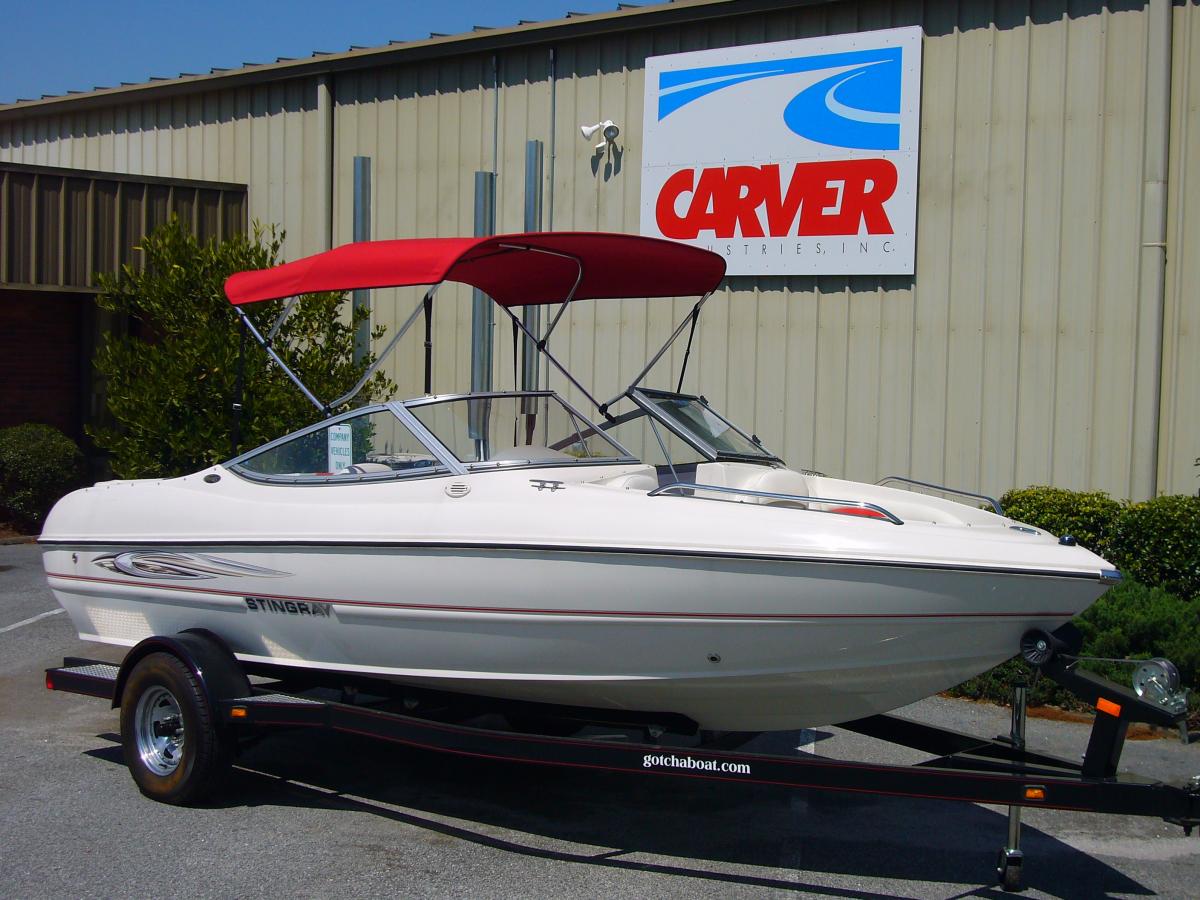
(613, 820)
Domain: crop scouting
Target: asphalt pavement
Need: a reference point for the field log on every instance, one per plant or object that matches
(319, 815)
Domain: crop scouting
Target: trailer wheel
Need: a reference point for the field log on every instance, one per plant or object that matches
(173, 748)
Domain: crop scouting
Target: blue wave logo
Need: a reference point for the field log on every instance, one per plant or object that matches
(858, 107)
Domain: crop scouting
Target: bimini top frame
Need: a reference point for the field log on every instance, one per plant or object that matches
(514, 270)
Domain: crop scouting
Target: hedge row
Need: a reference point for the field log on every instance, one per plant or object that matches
(1156, 542)
(1130, 621)
(38, 464)
(1155, 611)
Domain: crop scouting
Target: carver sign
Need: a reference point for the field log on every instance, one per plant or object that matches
(788, 158)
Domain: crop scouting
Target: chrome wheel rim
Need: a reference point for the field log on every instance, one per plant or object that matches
(158, 729)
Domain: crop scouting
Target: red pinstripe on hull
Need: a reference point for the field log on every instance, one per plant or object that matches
(434, 607)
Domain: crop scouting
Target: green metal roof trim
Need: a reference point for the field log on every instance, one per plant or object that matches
(479, 41)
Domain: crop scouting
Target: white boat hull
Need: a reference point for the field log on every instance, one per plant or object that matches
(733, 641)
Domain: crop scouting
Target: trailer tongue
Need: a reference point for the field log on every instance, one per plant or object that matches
(219, 704)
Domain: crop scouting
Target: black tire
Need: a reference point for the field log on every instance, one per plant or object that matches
(1008, 873)
(1011, 880)
(173, 746)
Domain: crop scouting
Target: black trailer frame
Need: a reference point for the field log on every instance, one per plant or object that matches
(966, 768)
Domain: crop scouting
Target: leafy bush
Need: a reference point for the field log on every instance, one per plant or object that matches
(1156, 542)
(1090, 517)
(1130, 621)
(1133, 620)
(38, 464)
(171, 385)
(1159, 543)
(1154, 612)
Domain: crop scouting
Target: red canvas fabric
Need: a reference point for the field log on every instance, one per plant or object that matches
(510, 268)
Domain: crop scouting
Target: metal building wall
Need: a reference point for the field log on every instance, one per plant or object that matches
(60, 227)
(1022, 351)
(268, 137)
(1179, 432)
(1026, 348)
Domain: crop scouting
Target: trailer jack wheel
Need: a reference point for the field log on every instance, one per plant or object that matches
(172, 744)
(1008, 869)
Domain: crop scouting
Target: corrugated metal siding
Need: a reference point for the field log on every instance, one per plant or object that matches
(1023, 351)
(1012, 357)
(58, 227)
(1179, 435)
(268, 136)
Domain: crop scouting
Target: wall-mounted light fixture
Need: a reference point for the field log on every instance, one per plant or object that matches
(608, 130)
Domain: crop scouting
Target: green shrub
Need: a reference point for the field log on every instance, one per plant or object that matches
(1133, 620)
(1154, 612)
(1158, 543)
(38, 464)
(172, 383)
(1089, 516)
(1130, 621)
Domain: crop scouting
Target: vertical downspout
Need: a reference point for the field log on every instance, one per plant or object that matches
(553, 114)
(495, 115)
(1147, 416)
(325, 104)
(531, 316)
(361, 299)
(550, 174)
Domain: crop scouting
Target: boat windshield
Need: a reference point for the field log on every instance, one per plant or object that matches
(700, 425)
(516, 429)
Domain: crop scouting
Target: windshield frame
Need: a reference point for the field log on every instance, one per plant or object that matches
(447, 464)
(586, 429)
(644, 398)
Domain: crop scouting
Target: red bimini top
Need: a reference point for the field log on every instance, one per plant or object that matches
(506, 267)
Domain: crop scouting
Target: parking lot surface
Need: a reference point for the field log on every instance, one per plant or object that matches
(318, 815)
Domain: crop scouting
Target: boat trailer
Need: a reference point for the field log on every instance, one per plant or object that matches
(1000, 770)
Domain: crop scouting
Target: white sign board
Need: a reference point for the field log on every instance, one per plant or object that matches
(341, 447)
(789, 158)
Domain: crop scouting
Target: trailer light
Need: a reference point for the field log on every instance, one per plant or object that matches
(1035, 792)
(238, 712)
(1107, 706)
(49, 682)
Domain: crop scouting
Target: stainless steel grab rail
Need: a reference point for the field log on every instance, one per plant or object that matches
(678, 486)
(995, 504)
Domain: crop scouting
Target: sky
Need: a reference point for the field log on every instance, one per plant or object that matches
(56, 46)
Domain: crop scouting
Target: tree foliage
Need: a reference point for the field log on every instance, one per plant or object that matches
(172, 381)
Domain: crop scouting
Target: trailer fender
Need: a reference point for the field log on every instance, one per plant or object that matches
(204, 653)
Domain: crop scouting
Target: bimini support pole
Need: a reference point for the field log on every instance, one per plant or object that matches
(550, 357)
(266, 345)
(687, 353)
(426, 306)
(691, 317)
(387, 351)
(542, 343)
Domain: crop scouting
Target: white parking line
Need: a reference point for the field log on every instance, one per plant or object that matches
(15, 625)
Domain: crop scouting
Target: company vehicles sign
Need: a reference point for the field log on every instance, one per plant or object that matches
(789, 158)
